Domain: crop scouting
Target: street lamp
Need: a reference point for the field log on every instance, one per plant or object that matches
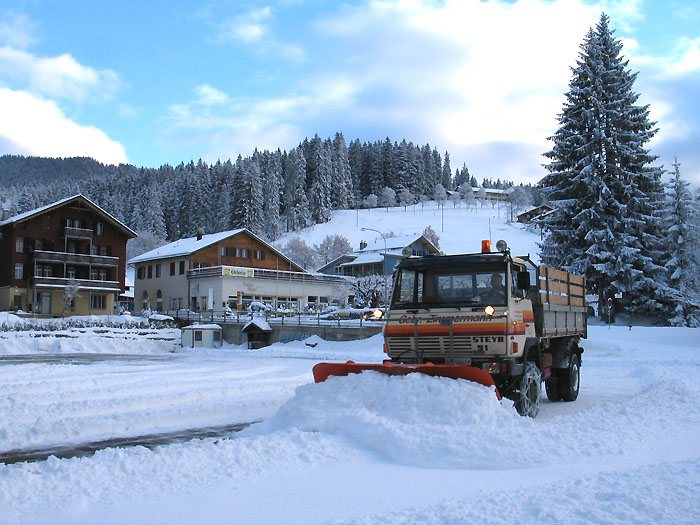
(383, 261)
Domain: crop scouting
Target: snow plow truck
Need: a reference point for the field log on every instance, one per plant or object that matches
(487, 317)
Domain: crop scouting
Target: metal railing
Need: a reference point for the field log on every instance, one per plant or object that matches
(281, 275)
(272, 318)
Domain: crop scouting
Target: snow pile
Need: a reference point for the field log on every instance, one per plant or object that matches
(413, 419)
(9, 320)
(96, 340)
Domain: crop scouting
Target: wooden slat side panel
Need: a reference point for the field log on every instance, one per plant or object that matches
(577, 279)
(558, 299)
(557, 274)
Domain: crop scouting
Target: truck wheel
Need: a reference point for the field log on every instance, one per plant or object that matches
(552, 388)
(527, 401)
(570, 378)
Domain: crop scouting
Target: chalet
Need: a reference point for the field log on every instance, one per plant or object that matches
(230, 269)
(65, 258)
(530, 214)
(379, 257)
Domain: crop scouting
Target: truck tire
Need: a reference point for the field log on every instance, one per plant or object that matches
(552, 388)
(527, 401)
(569, 379)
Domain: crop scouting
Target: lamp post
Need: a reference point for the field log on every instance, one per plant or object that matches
(383, 261)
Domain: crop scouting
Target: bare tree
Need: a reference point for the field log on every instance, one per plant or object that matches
(70, 292)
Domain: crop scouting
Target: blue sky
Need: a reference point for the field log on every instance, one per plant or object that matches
(168, 81)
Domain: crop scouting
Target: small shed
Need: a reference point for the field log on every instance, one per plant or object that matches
(258, 331)
(202, 336)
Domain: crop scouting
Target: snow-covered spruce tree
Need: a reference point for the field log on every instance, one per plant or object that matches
(294, 197)
(682, 249)
(342, 190)
(320, 184)
(608, 227)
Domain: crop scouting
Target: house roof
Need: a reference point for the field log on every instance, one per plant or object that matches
(184, 247)
(188, 246)
(336, 260)
(38, 211)
(366, 258)
(395, 244)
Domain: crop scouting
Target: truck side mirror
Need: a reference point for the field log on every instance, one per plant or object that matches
(524, 280)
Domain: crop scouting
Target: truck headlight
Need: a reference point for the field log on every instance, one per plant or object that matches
(489, 310)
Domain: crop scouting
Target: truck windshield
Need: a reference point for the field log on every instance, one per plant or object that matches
(450, 287)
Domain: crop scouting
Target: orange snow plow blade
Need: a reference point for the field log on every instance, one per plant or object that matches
(323, 371)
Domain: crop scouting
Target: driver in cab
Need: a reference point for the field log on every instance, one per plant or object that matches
(497, 293)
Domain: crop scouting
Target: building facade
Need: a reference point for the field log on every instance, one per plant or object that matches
(223, 270)
(67, 258)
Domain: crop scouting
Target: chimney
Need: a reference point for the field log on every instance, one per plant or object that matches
(363, 245)
(200, 233)
(5, 214)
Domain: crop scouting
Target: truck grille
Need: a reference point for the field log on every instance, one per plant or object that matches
(430, 347)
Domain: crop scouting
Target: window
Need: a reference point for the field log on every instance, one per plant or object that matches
(224, 251)
(77, 223)
(98, 301)
(141, 272)
(100, 228)
(157, 271)
(172, 269)
(19, 271)
(182, 267)
(259, 255)
(69, 223)
(197, 335)
(43, 270)
(19, 245)
(103, 275)
(243, 253)
(17, 301)
(70, 272)
(217, 336)
(94, 250)
(38, 244)
(150, 271)
(159, 301)
(105, 250)
(93, 274)
(72, 247)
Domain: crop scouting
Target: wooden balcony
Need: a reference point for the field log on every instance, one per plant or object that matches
(83, 284)
(78, 259)
(77, 233)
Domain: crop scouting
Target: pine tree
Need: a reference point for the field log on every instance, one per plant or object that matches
(682, 249)
(600, 180)
(320, 189)
(295, 200)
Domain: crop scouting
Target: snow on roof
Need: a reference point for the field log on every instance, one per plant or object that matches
(37, 211)
(197, 326)
(184, 246)
(394, 244)
(258, 322)
(366, 258)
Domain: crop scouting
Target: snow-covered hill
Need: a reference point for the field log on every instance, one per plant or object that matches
(461, 230)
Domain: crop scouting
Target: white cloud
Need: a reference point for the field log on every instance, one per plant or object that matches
(249, 27)
(33, 126)
(60, 76)
(210, 96)
(17, 30)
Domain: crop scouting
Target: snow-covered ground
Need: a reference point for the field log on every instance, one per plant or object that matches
(362, 449)
(367, 448)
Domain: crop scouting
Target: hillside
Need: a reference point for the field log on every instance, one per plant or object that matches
(460, 230)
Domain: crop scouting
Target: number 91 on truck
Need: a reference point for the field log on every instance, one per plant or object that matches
(487, 317)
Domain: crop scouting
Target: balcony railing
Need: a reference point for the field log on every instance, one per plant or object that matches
(258, 273)
(43, 256)
(77, 233)
(83, 284)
